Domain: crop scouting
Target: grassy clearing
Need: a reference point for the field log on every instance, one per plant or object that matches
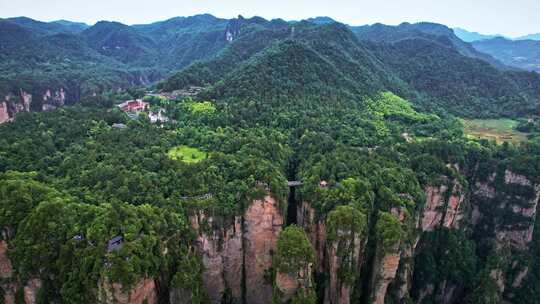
(186, 154)
(202, 108)
(500, 130)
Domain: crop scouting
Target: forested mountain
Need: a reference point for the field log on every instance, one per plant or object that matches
(431, 31)
(48, 28)
(308, 162)
(524, 54)
(429, 69)
(73, 61)
(110, 55)
(457, 83)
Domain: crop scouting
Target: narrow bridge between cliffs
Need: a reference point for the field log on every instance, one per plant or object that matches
(294, 183)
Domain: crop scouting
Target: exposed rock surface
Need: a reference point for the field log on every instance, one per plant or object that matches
(289, 284)
(4, 113)
(517, 236)
(6, 272)
(239, 253)
(386, 266)
(316, 231)
(222, 256)
(262, 224)
(387, 262)
(443, 208)
(22, 101)
(31, 291)
(53, 99)
(5, 264)
(345, 252)
(143, 292)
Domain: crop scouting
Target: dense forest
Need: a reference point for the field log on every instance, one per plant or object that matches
(315, 165)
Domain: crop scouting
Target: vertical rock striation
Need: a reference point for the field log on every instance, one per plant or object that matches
(239, 253)
(443, 208)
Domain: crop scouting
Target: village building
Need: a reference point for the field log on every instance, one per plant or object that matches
(116, 243)
(158, 116)
(135, 105)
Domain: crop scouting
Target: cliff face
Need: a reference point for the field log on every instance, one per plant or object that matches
(510, 219)
(6, 271)
(513, 194)
(23, 101)
(262, 225)
(31, 291)
(289, 284)
(443, 206)
(503, 208)
(340, 258)
(10, 285)
(4, 112)
(344, 254)
(388, 261)
(316, 231)
(143, 292)
(222, 256)
(386, 266)
(239, 253)
(53, 99)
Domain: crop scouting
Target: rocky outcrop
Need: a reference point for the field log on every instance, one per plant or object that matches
(290, 284)
(241, 252)
(443, 208)
(53, 99)
(518, 235)
(386, 266)
(262, 224)
(344, 255)
(506, 205)
(114, 293)
(4, 113)
(14, 104)
(234, 28)
(31, 291)
(316, 231)
(22, 101)
(222, 256)
(387, 261)
(6, 272)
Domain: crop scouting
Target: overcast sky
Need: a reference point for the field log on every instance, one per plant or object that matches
(508, 17)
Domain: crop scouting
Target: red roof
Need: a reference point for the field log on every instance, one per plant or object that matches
(133, 105)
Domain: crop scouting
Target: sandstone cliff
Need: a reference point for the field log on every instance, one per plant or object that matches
(23, 101)
(241, 252)
(143, 291)
(443, 206)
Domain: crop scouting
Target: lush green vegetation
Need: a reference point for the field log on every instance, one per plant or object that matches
(187, 154)
(293, 251)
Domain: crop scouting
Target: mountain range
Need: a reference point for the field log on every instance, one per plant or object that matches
(425, 61)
